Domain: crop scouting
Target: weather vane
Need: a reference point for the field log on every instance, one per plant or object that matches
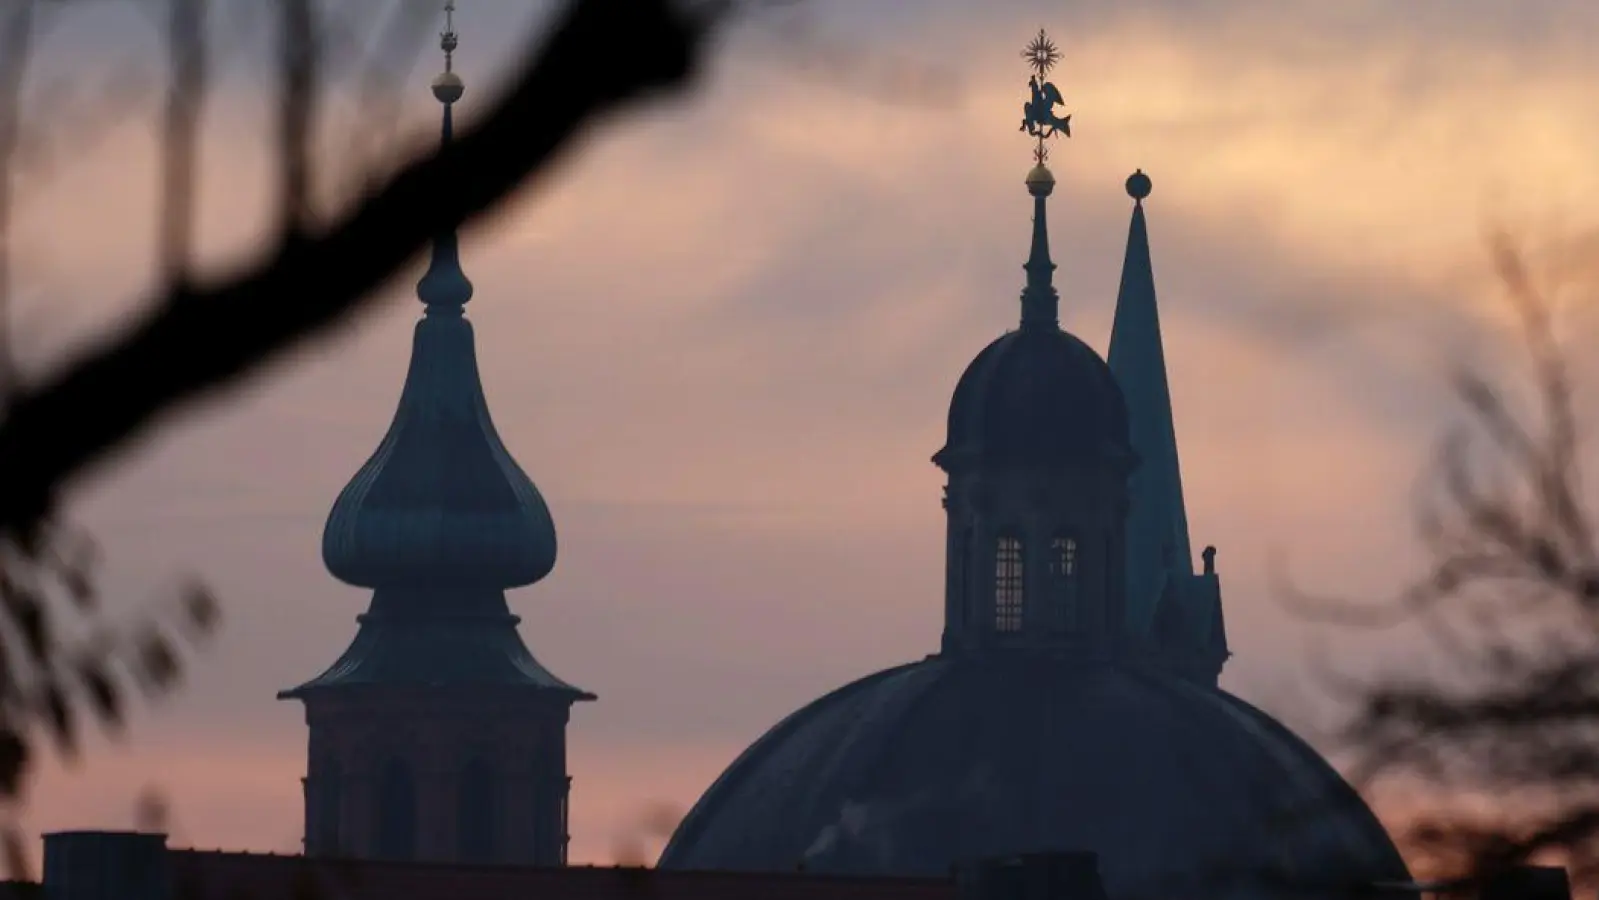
(1038, 114)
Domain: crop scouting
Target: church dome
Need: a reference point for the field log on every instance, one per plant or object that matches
(916, 768)
(441, 499)
(1036, 396)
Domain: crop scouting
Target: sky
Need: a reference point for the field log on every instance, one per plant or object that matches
(722, 339)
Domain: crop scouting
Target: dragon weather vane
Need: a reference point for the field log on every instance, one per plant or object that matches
(1038, 114)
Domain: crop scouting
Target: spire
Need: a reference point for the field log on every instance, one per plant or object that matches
(441, 520)
(1040, 302)
(444, 289)
(1158, 552)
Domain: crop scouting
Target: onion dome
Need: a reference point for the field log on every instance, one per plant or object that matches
(441, 501)
(1037, 396)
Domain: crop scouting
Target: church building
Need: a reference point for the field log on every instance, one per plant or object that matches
(1073, 703)
(1071, 714)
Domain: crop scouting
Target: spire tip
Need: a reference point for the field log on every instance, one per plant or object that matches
(1139, 185)
(448, 87)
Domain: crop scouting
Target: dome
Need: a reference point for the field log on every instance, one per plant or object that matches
(448, 87)
(441, 500)
(1036, 396)
(916, 768)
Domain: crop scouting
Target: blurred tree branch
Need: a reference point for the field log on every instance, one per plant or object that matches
(193, 340)
(196, 340)
(1510, 597)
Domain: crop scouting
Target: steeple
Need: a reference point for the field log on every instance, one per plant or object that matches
(444, 289)
(437, 735)
(1040, 301)
(1158, 551)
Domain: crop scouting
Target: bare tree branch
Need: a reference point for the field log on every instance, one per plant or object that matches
(180, 135)
(195, 342)
(16, 37)
(1511, 598)
(297, 107)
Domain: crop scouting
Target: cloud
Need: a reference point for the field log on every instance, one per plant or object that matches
(723, 343)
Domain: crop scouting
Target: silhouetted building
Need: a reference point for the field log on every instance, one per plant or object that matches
(1068, 741)
(130, 866)
(111, 865)
(1074, 701)
(437, 735)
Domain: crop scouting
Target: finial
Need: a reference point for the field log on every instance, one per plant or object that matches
(1038, 113)
(448, 87)
(448, 39)
(444, 289)
(1139, 185)
(1040, 181)
(1041, 53)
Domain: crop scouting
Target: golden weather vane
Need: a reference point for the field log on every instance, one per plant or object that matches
(1038, 114)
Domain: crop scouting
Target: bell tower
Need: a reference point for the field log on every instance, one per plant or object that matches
(436, 735)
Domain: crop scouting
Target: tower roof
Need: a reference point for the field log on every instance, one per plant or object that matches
(1037, 396)
(441, 520)
(1157, 521)
(441, 501)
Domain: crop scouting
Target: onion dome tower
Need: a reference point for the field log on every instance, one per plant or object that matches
(437, 735)
(1043, 725)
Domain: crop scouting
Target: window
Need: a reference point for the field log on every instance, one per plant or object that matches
(396, 823)
(474, 816)
(1008, 583)
(1063, 578)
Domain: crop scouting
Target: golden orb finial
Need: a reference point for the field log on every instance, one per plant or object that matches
(1040, 180)
(448, 87)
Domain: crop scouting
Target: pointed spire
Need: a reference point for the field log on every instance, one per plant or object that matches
(1158, 550)
(1040, 301)
(444, 288)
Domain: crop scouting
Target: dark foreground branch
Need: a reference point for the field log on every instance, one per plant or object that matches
(196, 341)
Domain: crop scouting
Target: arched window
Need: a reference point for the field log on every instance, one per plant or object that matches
(474, 813)
(1009, 581)
(329, 804)
(396, 811)
(1063, 578)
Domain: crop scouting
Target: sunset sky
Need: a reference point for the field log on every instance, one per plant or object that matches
(722, 341)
